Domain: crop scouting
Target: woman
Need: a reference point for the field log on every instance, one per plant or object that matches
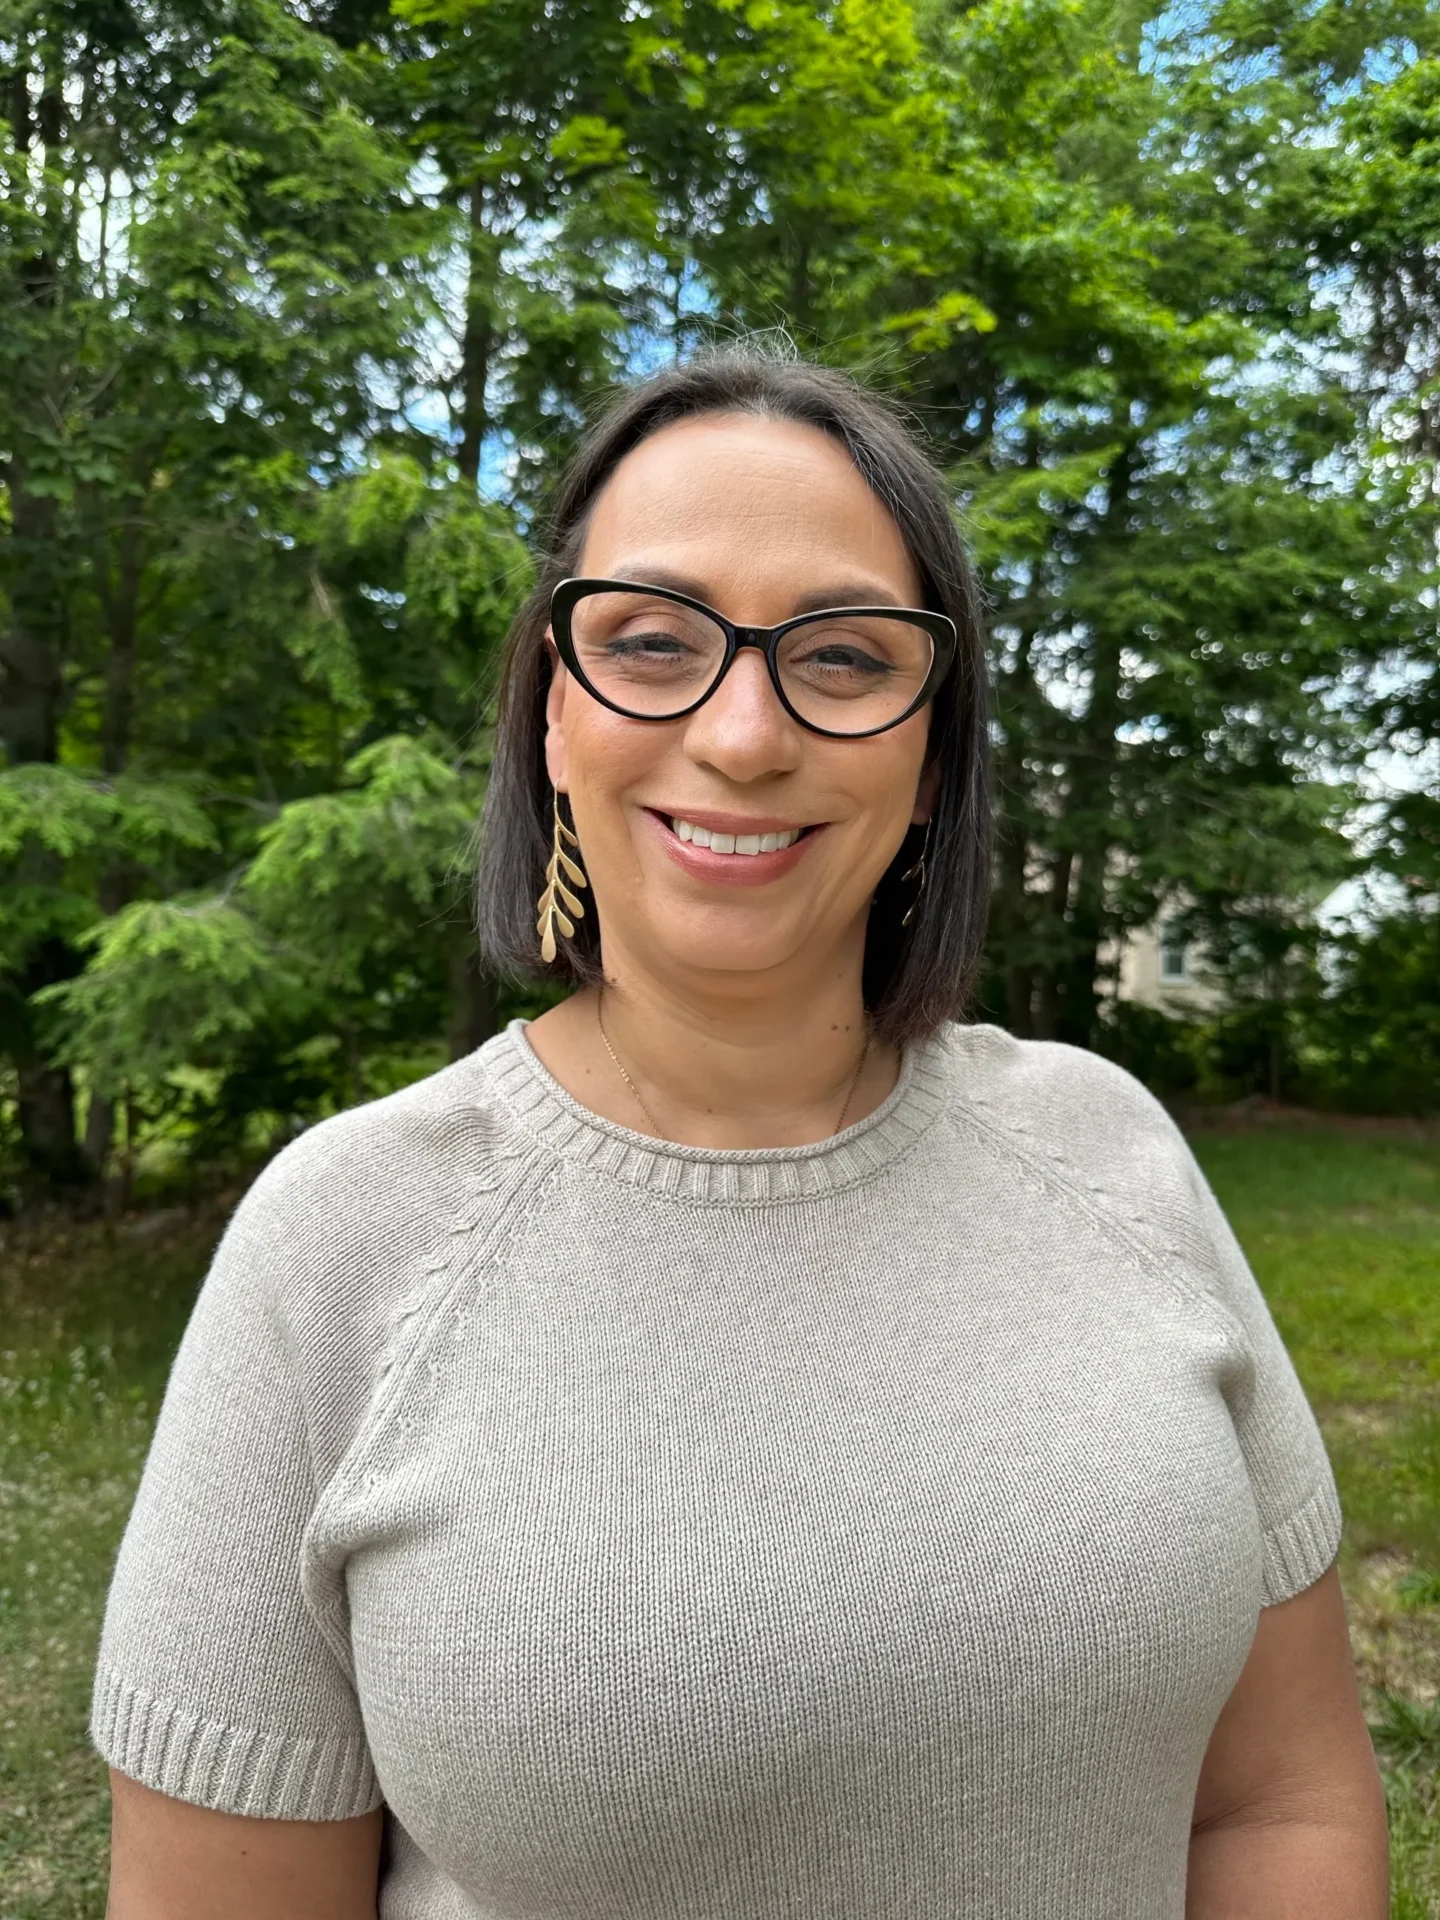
(743, 1444)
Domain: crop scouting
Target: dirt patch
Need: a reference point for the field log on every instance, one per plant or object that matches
(1396, 1644)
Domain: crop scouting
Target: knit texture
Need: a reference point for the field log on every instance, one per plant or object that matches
(843, 1532)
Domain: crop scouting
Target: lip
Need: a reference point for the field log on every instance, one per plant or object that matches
(730, 869)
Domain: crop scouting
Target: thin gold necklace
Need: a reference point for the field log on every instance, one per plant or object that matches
(656, 1129)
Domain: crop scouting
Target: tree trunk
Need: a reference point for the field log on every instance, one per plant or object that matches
(46, 1104)
(1089, 810)
(121, 600)
(472, 997)
(31, 691)
(47, 1125)
(31, 676)
(1013, 907)
(478, 345)
(114, 893)
(121, 1190)
(122, 605)
(99, 1132)
(1049, 977)
(1009, 914)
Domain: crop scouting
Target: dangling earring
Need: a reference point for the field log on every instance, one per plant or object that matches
(552, 911)
(917, 872)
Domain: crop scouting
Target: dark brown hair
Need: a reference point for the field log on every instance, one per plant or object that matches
(916, 977)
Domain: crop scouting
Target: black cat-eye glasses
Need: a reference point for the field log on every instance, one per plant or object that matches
(651, 653)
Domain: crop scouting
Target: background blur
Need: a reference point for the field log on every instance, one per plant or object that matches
(301, 310)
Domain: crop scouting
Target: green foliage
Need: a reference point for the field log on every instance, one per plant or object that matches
(169, 984)
(300, 310)
(70, 815)
(1372, 1043)
(61, 828)
(349, 878)
(348, 908)
(1359, 1033)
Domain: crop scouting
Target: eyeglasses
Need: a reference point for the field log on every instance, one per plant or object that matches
(653, 654)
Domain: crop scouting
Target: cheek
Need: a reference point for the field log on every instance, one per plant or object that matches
(607, 756)
(890, 784)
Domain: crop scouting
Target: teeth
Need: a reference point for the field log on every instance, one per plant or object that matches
(731, 842)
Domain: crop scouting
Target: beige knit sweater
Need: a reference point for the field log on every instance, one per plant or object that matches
(861, 1530)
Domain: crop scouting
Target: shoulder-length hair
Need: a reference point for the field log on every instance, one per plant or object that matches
(915, 977)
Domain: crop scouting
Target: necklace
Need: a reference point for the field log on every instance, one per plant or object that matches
(654, 1128)
(621, 1071)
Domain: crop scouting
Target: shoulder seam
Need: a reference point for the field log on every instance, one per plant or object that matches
(449, 1267)
(1141, 1250)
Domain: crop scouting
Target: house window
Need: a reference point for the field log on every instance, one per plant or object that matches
(1174, 952)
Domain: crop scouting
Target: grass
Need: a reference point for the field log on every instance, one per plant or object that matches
(1342, 1226)
(91, 1322)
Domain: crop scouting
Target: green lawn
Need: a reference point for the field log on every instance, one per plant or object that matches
(1343, 1229)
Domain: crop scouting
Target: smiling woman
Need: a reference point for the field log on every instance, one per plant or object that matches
(758, 492)
(745, 1443)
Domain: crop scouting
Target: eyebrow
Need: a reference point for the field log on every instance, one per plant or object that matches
(845, 593)
(861, 593)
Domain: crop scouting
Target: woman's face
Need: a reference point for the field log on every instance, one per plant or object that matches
(758, 518)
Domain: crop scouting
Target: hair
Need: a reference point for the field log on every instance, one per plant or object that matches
(915, 977)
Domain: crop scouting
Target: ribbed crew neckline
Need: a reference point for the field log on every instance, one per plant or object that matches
(714, 1175)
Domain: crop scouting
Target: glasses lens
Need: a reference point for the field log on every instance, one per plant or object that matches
(647, 655)
(853, 672)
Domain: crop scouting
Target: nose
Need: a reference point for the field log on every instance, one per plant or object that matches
(742, 731)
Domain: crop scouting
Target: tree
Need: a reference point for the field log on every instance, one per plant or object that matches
(208, 276)
(301, 311)
(1158, 473)
(339, 939)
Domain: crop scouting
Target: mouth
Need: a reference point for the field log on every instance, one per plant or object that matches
(722, 847)
(748, 844)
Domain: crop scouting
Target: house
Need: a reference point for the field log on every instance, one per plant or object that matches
(1159, 968)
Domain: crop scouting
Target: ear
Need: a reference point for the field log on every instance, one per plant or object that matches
(556, 764)
(926, 795)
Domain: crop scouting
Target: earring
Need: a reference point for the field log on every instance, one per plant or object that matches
(917, 872)
(552, 911)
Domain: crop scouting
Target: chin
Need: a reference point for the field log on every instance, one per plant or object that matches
(725, 943)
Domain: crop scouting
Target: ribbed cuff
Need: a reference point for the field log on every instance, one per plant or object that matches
(1301, 1548)
(260, 1772)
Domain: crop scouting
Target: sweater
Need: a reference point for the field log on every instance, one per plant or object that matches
(866, 1529)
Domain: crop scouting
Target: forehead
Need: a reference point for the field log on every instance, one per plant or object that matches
(727, 497)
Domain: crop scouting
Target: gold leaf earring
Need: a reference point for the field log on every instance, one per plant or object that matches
(917, 872)
(557, 896)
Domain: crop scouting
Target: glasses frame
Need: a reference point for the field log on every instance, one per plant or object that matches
(570, 592)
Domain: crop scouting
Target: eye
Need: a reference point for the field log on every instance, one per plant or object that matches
(629, 645)
(842, 658)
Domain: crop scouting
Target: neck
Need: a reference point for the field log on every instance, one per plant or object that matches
(720, 1064)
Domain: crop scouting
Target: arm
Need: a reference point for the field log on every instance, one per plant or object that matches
(216, 1684)
(173, 1861)
(1289, 1820)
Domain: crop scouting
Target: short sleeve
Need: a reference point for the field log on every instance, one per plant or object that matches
(214, 1684)
(1289, 1468)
